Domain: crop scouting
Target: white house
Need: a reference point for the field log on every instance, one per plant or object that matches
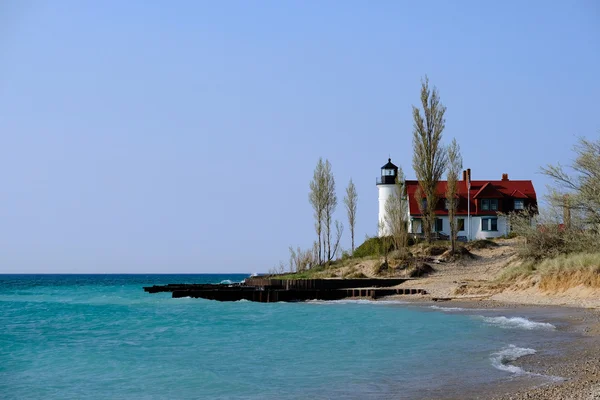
(479, 203)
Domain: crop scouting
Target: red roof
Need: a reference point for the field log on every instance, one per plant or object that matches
(503, 190)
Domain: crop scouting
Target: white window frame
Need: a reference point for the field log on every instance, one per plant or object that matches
(486, 224)
(489, 204)
(521, 202)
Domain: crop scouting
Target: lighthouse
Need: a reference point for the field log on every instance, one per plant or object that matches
(386, 185)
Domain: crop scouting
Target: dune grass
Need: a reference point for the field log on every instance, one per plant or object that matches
(558, 273)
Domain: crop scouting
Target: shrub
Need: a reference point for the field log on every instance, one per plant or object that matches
(356, 275)
(549, 239)
(421, 269)
(460, 253)
(482, 244)
(381, 268)
(372, 247)
(436, 250)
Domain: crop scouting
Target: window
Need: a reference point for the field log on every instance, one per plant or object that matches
(519, 204)
(446, 204)
(489, 204)
(416, 225)
(489, 224)
(439, 224)
(388, 172)
(460, 224)
(424, 204)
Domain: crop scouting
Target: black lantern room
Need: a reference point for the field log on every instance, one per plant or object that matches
(389, 172)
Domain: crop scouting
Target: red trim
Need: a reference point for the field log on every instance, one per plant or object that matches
(517, 194)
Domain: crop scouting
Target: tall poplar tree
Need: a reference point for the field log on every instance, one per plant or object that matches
(454, 167)
(330, 204)
(429, 154)
(316, 198)
(323, 199)
(350, 200)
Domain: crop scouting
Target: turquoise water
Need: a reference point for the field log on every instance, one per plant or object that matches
(102, 337)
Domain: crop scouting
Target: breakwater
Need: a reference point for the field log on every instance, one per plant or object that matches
(267, 290)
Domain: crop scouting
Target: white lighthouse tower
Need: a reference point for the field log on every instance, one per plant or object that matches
(386, 185)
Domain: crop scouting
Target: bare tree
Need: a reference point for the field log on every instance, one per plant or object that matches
(396, 214)
(339, 230)
(582, 186)
(454, 167)
(293, 258)
(300, 260)
(317, 199)
(386, 242)
(330, 203)
(575, 202)
(323, 199)
(429, 157)
(422, 203)
(350, 200)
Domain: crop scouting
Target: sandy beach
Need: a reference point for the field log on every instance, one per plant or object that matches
(472, 284)
(572, 372)
(578, 362)
(576, 365)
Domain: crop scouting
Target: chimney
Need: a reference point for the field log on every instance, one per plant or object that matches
(464, 175)
(469, 174)
(504, 177)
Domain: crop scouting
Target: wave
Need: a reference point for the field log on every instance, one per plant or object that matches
(458, 309)
(454, 309)
(502, 359)
(517, 323)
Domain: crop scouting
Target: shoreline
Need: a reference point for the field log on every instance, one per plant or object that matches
(577, 363)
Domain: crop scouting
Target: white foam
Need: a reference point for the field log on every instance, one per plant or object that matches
(517, 323)
(450, 309)
(501, 360)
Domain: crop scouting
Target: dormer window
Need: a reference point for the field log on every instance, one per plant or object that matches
(489, 204)
(519, 204)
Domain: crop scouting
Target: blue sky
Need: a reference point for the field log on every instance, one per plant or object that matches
(181, 136)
